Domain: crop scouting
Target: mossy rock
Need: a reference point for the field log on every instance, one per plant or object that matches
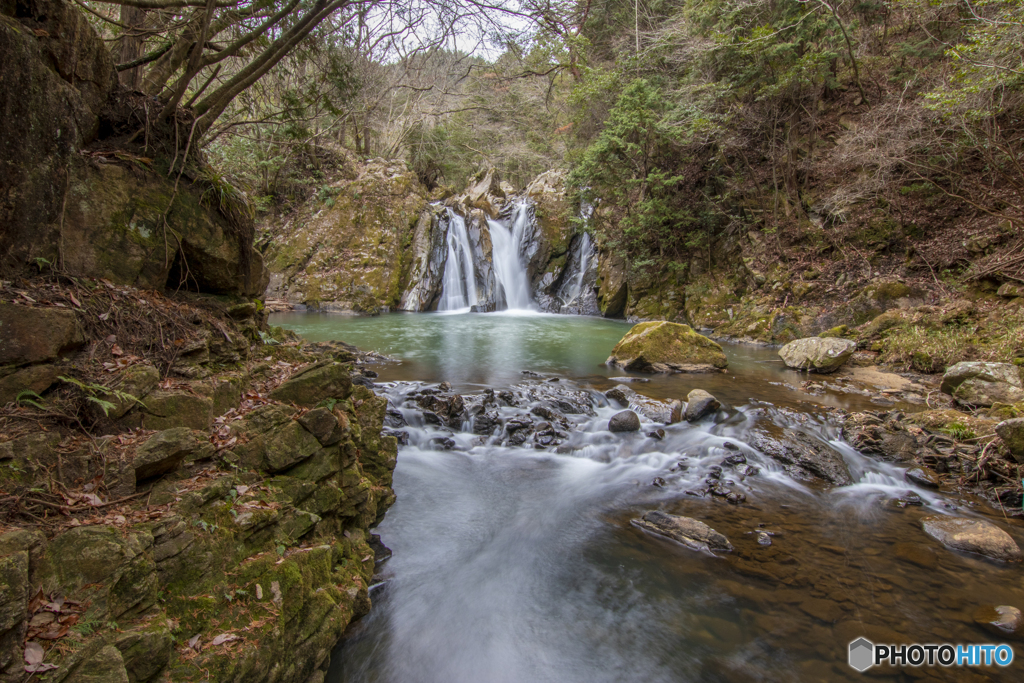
(667, 347)
(839, 331)
(311, 385)
(170, 409)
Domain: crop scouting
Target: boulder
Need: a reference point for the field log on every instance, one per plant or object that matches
(653, 410)
(309, 386)
(817, 354)
(322, 424)
(146, 651)
(922, 476)
(1000, 620)
(1010, 290)
(700, 403)
(626, 421)
(686, 530)
(37, 335)
(37, 378)
(137, 381)
(485, 193)
(165, 451)
(801, 451)
(1012, 434)
(106, 666)
(14, 595)
(667, 347)
(972, 536)
(977, 383)
(170, 409)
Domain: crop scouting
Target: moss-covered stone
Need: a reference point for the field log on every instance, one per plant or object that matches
(314, 384)
(170, 409)
(667, 347)
(37, 335)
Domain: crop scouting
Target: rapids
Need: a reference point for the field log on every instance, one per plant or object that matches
(515, 560)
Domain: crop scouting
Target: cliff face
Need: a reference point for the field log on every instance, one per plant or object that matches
(73, 198)
(219, 529)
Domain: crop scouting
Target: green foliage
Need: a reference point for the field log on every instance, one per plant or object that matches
(960, 432)
(28, 397)
(98, 393)
(651, 158)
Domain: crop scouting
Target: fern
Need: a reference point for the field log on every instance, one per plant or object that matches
(30, 398)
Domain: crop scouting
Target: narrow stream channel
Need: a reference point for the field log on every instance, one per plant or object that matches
(519, 564)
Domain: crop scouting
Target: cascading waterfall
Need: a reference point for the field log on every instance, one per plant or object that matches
(570, 292)
(509, 269)
(459, 285)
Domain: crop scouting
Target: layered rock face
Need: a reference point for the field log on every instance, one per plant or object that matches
(241, 555)
(71, 200)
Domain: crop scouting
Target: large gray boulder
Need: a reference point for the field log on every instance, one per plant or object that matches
(972, 536)
(977, 383)
(686, 530)
(817, 354)
(1012, 434)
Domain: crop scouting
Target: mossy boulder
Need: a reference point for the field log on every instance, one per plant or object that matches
(145, 652)
(36, 378)
(167, 409)
(37, 335)
(137, 382)
(817, 354)
(1012, 434)
(165, 451)
(313, 384)
(14, 594)
(975, 383)
(667, 347)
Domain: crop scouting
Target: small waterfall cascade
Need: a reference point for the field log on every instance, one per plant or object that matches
(509, 245)
(576, 293)
(459, 282)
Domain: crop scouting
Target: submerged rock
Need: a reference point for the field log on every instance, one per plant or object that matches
(686, 530)
(667, 347)
(975, 383)
(626, 421)
(999, 619)
(817, 354)
(922, 476)
(700, 403)
(972, 536)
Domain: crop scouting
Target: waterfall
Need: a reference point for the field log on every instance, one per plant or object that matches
(507, 249)
(459, 285)
(570, 292)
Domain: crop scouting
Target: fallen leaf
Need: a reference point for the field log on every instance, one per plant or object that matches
(116, 351)
(193, 642)
(40, 33)
(224, 638)
(92, 499)
(75, 301)
(34, 659)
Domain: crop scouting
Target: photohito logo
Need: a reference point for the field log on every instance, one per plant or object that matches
(864, 654)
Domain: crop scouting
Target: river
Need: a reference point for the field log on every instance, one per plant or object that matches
(515, 564)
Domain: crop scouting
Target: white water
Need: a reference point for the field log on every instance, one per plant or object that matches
(509, 269)
(571, 293)
(458, 290)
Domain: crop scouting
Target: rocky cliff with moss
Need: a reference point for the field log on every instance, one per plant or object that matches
(185, 492)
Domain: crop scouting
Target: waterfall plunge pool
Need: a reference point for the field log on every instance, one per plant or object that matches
(515, 565)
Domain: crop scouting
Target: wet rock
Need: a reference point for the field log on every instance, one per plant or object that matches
(1000, 620)
(486, 422)
(686, 530)
(676, 410)
(916, 553)
(165, 451)
(817, 354)
(507, 398)
(972, 536)
(311, 385)
(37, 335)
(400, 435)
(735, 498)
(667, 347)
(658, 434)
(730, 446)
(394, 418)
(658, 481)
(626, 421)
(976, 383)
(700, 403)
(763, 538)
(1012, 434)
(443, 443)
(750, 471)
(735, 460)
(653, 410)
(922, 476)
(449, 408)
(797, 449)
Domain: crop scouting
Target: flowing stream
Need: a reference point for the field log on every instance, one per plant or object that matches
(518, 563)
